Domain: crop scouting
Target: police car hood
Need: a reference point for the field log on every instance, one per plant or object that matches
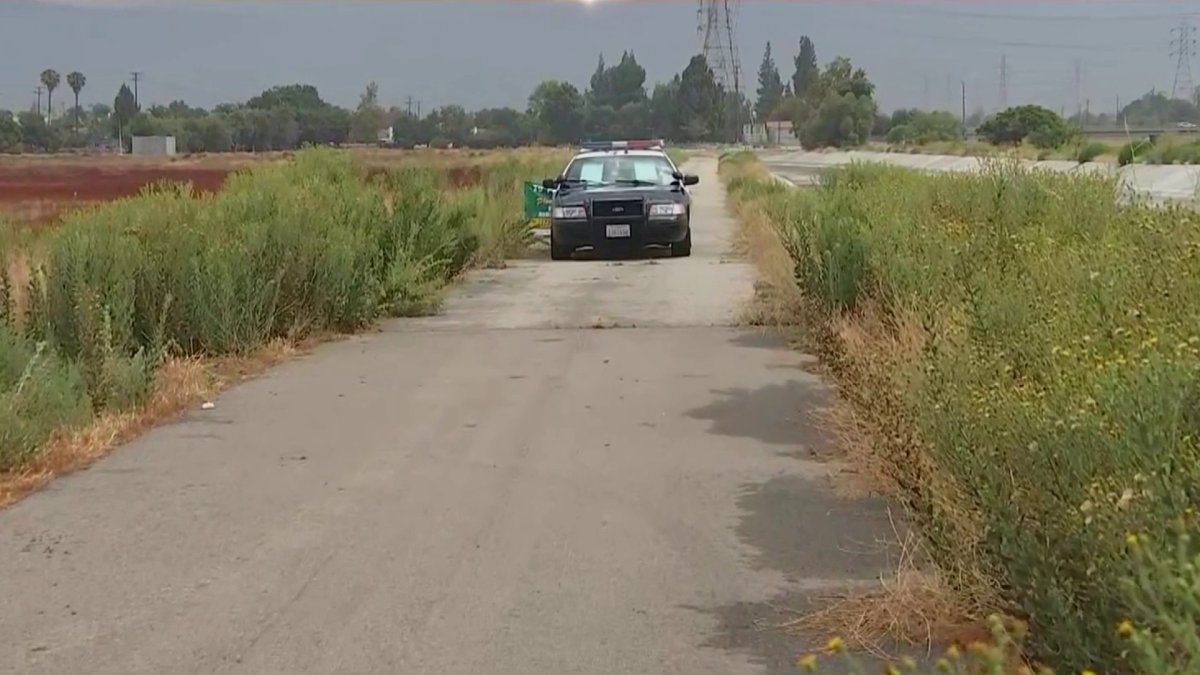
(606, 192)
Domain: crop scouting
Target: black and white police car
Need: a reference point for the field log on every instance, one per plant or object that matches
(619, 198)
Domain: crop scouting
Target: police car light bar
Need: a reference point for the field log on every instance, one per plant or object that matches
(622, 145)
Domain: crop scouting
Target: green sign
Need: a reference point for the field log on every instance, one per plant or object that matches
(538, 201)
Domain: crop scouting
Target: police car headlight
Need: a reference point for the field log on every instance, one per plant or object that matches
(568, 212)
(666, 210)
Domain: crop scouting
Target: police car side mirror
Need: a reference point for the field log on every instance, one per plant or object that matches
(550, 183)
(691, 180)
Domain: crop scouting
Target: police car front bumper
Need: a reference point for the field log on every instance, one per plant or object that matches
(599, 236)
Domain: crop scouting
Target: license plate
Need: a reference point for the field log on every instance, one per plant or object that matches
(616, 231)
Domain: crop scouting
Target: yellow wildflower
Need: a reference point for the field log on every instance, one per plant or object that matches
(1132, 540)
(943, 666)
(1125, 629)
(836, 645)
(952, 652)
(808, 662)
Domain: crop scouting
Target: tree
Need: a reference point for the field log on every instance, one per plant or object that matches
(558, 109)
(1040, 126)
(50, 80)
(837, 108)
(502, 127)
(618, 86)
(296, 96)
(665, 116)
(807, 69)
(368, 117)
(10, 132)
(76, 81)
(1158, 110)
(125, 108)
(770, 87)
(451, 124)
(701, 102)
(920, 127)
(35, 133)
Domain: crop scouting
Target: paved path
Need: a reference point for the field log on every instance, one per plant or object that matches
(501, 489)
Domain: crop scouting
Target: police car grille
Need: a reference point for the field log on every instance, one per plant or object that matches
(629, 208)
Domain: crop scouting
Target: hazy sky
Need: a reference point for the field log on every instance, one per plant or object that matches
(492, 52)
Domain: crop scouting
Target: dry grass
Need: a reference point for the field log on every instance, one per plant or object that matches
(18, 266)
(914, 607)
(180, 384)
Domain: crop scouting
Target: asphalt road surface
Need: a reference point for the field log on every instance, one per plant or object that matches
(580, 467)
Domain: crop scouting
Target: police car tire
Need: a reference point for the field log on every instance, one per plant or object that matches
(559, 252)
(683, 248)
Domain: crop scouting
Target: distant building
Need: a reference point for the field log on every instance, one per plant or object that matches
(154, 146)
(770, 133)
(386, 135)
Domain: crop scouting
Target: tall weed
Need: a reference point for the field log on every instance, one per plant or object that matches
(1057, 381)
(285, 250)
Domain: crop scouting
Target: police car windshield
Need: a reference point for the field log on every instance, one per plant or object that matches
(614, 169)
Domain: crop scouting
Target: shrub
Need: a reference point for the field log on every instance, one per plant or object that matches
(1091, 151)
(283, 251)
(1132, 150)
(1040, 126)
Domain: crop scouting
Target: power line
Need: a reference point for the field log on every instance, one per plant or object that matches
(917, 9)
(38, 91)
(1183, 43)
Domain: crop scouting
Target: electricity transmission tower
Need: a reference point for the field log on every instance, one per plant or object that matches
(717, 30)
(1183, 44)
(718, 33)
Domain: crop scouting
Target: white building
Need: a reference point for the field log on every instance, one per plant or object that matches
(154, 146)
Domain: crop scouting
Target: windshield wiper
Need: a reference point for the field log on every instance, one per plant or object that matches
(635, 182)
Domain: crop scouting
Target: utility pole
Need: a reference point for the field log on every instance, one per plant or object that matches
(137, 101)
(38, 91)
(949, 92)
(1183, 43)
(1078, 91)
(964, 110)
(925, 93)
(408, 102)
(1003, 81)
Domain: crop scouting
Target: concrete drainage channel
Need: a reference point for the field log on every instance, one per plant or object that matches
(1162, 184)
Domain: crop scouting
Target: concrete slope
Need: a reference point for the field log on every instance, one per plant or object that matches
(1156, 183)
(502, 489)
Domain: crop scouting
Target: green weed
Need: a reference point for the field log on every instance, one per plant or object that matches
(1055, 369)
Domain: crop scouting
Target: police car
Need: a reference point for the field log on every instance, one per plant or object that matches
(620, 197)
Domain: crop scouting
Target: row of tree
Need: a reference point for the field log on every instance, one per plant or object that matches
(834, 106)
(616, 104)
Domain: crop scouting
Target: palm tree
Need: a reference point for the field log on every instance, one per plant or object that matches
(50, 80)
(76, 81)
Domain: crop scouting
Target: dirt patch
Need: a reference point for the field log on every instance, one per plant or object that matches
(463, 177)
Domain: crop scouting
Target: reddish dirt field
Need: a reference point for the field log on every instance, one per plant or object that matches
(39, 190)
(98, 183)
